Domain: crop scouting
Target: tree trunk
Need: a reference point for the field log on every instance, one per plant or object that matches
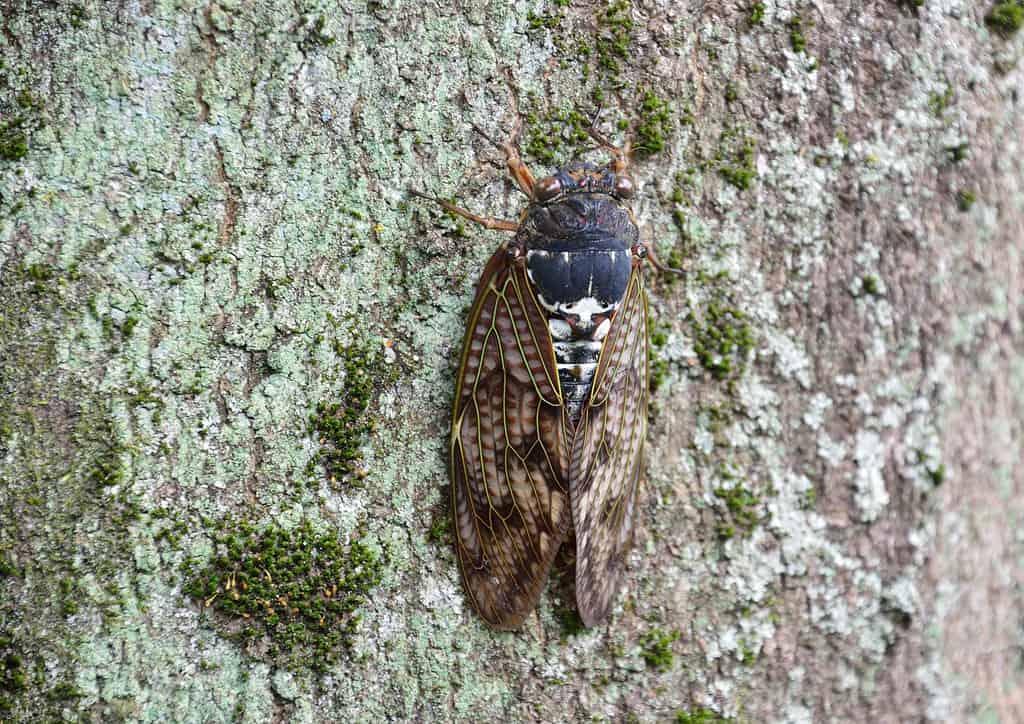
(229, 337)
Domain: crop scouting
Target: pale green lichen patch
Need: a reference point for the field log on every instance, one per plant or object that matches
(213, 200)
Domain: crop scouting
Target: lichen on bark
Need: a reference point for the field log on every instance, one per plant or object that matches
(203, 212)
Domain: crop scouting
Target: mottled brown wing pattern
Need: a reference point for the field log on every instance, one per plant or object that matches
(607, 457)
(509, 455)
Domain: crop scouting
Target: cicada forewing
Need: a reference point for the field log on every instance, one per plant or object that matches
(607, 457)
(509, 449)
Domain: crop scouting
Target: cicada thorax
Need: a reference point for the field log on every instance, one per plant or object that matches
(579, 257)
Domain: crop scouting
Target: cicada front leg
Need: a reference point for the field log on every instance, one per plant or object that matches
(484, 221)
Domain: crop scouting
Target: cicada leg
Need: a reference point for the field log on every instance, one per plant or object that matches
(645, 250)
(487, 223)
(520, 173)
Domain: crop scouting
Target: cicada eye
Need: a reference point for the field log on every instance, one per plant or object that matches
(624, 187)
(547, 189)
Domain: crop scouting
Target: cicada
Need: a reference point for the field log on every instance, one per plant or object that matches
(550, 411)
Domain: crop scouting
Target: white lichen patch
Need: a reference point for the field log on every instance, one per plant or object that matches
(871, 495)
(791, 361)
(817, 407)
(831, 451)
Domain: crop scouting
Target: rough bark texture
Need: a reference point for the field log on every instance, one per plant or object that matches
(206, 242)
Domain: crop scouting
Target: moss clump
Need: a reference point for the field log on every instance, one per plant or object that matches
(965, 199)
(1006, 18)
(701, 715)
(757, 13)
(544, 21)
(797, 39)
(654, 125)
(569, 622)
(939, 102)
(13, 139)
(742, 505)
(657, 649)
(937, 474)
(870, 285)
(13, 675)
(107, 469)
(342, 426)
(738, 168)
(64, 691)
(959, 152)
(723, 340)
(615, 34)
(547, 137)
(317, 36)
(293, 594)
(440, 530)
(68, 597)
(658, 366)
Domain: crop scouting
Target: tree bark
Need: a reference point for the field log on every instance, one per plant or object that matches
(224, 322)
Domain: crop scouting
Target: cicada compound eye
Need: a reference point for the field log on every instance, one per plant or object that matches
(624, 188)
(547, 189)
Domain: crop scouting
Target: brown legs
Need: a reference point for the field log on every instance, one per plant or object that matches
(657, 263)
(484, 221)
(520, 173)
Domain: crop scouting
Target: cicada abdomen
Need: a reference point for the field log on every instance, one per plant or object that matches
(550, 409)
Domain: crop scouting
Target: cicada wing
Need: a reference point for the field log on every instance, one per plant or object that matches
(509, 450)
(607, 457)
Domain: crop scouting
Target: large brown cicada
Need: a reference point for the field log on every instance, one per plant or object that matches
(550, 406)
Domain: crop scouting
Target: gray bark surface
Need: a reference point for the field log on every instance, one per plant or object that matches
(207, 250)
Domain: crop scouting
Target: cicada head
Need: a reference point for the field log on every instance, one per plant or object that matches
(581, 177)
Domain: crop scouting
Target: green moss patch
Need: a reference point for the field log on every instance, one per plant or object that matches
(657, 649)
(965, 199)
(756, 13)
(19, 117)
(654, 125)
(291, 595)
(557, 136)
(13, 674)
(797, 39)
(615, 36)
(743, 507)
(871, 285)
(658, 366)
(737, 166)
(342, 425)
(1006, 18)
(598, 48)
(701, 715)
(13, 139)
(723, 339)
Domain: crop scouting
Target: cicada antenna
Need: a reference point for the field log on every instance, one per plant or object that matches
(621, 155)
